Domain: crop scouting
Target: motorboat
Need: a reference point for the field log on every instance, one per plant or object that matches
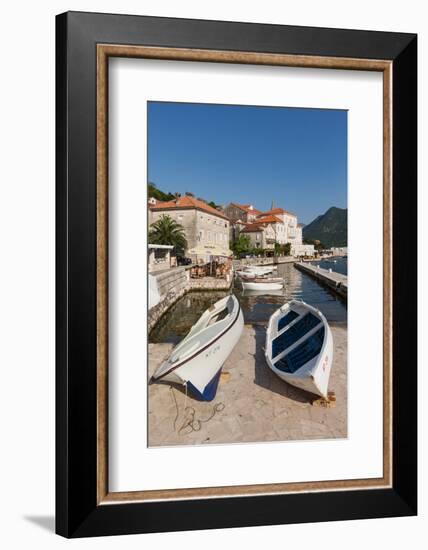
(196, 362)
(299, 347)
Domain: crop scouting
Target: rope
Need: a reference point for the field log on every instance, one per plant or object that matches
(190, 420)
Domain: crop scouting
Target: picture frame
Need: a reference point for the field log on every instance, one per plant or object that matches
(84, 44)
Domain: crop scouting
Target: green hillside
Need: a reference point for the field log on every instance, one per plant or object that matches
(156, 193)
(330, 228)
(153, 191)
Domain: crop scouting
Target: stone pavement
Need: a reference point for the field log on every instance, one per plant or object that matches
(252, 404)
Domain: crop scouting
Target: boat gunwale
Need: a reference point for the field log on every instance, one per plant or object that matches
(268, 354)
(187, 359)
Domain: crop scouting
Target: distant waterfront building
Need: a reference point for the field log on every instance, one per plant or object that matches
(277, 224)
(302, 250)
(339, 250)
(262, 235)
(284, 224)
(290, 232)
(299, 231)
(206, 228)
(241, 212)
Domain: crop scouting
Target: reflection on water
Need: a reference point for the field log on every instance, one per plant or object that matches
(339, 264)
(176, 322)
(256, 306)
(298, 286)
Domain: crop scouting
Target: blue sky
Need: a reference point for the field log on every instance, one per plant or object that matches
(294, 157)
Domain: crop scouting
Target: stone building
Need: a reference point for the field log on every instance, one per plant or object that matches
(277, 224)
(206, 228)
(262, 235)
(290, 232)
(284, 223)
(243, 212)
(160, 257)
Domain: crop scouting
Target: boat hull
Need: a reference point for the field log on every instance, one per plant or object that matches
(249, 285)
(312, 376)
(255, 271)
(201, 370)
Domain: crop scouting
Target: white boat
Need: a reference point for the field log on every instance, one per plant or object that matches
(299, 347)
(197, 360)
(262, 283)
(254, 293)
(255, 270)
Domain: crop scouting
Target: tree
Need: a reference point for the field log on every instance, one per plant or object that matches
(318, 245)
(258, 251)
(167, 231)
(286, 249)
(241, 245)
(156, 193)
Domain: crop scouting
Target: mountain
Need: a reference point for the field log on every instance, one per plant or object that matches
(330, 228)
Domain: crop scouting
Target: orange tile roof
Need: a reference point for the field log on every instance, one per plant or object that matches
(268, 219)
(277, 211)
(254, 227)
(187, 202)
(246, 208)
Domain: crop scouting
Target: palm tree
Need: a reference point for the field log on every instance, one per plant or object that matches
(167, 231)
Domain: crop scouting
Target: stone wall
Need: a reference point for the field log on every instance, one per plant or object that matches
(329, 278)
(211, 283)
(172, 285)
(172, 279)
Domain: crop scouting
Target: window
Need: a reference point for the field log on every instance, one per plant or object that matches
(161, 253)
(201, 234)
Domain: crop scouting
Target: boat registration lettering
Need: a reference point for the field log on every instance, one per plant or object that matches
(212, 351)
(325, 362)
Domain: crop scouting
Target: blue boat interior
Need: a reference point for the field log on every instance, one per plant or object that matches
(210, 389)
(294, 333)
(286, 320)
(299, 356)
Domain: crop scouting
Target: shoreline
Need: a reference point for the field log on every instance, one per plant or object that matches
(176, 283)
(331, 279)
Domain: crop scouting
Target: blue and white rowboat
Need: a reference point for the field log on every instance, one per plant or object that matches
(197, 360)
(299, 347)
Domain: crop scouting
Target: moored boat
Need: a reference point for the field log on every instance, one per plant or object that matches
(197, 360)
(299, 347)
(262, 283)
(255, 270)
